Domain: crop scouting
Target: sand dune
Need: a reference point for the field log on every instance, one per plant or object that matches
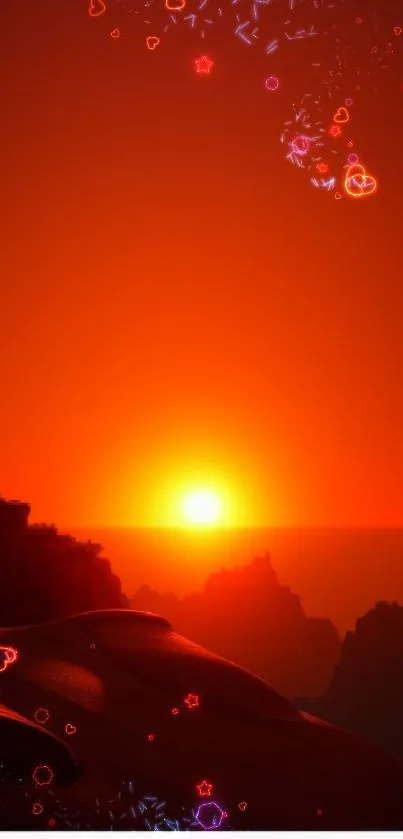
(151, 715)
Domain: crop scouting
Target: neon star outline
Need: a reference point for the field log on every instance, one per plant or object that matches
(204, 64)
(204, 788)
(192, 700)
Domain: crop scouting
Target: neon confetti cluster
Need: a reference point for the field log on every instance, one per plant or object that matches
(127, 808)
(34, 799)
(351, 45)
(354, 48)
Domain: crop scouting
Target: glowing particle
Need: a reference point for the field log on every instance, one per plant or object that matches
(271, 47)
(204, 64)
(172, 824)
(341, 116)
(152, 42)
(175, 712)
(116, 33)
(335, 130)
(349, 102)
(37, 808)
(43, 775)
(322, 167)
(192, 700)
(151, 737)
(204, 788)
(301, 145)
(319, 812)
(337, 196)
(41, 716)
(242, 806)
(272, 83)
(175, 5)
(239, 31)
(209, 815)
(92, 646)
(397, 30)
(352, 159)
(52, 822)
(96, 8)
(69, 728)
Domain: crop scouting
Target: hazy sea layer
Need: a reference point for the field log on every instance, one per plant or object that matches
(338, 573)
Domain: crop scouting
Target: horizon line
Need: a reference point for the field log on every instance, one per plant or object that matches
(228, 528)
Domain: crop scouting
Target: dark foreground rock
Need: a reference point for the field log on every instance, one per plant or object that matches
(132, 718)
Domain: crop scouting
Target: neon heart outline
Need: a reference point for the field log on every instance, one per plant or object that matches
(10, 656)
(69, 728)
(93, 5)
(175, 8)
(357, 176)
(339, 112)
(154, 40)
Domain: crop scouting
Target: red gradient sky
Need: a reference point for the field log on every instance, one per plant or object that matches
(176, 299)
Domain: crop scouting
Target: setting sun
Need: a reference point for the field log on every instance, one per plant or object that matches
(201, 507)
(198, 493)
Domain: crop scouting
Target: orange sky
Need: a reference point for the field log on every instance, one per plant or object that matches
(177, 298)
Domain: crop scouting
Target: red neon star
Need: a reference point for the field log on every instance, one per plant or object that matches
(204, 788)
(192, 700)
(204, 64)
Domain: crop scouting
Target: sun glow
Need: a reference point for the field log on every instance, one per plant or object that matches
(201, 507)
(193, 494)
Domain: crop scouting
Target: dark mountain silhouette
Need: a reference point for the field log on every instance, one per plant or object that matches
(149, 716)
(365, 694)
(110, 720)
(48, 575)
(245, 615)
